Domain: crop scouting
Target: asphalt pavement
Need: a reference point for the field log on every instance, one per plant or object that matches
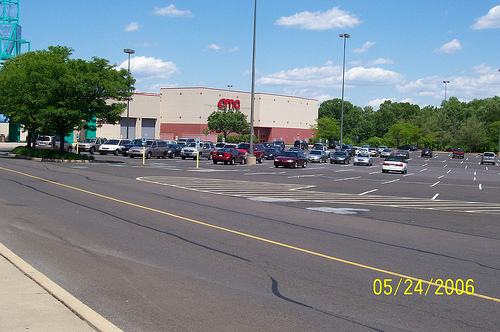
(31, 301)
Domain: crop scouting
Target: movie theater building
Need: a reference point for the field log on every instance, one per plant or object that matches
(183, 112)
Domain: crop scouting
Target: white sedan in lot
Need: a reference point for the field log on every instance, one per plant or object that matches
(395, 164)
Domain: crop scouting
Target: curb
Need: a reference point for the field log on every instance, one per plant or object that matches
(77, 307)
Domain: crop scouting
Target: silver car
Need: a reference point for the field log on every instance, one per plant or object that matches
(363, 159)
(317, 156)
(387, 153)
(488, 158)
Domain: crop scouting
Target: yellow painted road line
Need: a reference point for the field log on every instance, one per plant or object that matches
(261, 239)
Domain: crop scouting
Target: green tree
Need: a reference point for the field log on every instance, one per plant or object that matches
(473, 133)
(327, 129)
(50, 93)
(227, 121)
(404, 132)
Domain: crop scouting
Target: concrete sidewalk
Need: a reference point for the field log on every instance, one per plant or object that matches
(31, 301)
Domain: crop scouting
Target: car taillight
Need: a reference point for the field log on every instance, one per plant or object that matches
(399, 165)
(386, 164)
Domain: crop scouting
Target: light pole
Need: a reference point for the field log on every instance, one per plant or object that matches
(445, 83)
(250, 157)
(345, 36)
(129, 52)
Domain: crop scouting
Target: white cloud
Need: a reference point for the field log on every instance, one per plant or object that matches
(172, 11)
(234, 49)
(143, 68)
(364, 48)
(488, 21)
(330, 20)
(212, 47)
(133, 26)
(449, 48)
(377, 62)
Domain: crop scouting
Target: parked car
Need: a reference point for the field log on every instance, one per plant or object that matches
(381, 148)
(426, 153)
(271, 153)
(45, 142)
(408, 147)
(402, 153)
(395, 164)
(258, 150)
(115, 146)
(228, 155)
(90, 145)
(318, 146)
(291, 159)
(458, 153)
(324, 149)
(153, 148)
(387, 153)
(174, 150)
(186, 140)
(340, 157)
(126, 147)
(373, 152)
(301, 144)
(280, 144)
(317, 156)
(204, 150)
(363, 159)
(488, 158)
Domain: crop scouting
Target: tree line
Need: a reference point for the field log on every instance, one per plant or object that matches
(473, 126)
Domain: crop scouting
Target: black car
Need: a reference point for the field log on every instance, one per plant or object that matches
(174, 150)
(408, 147)
(426, 153)
(126, 147)
(271, 153)
(340, 157)
(301, 144)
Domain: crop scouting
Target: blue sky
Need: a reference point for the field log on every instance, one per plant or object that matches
(398, 50)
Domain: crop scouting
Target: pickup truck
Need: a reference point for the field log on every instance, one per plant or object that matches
(153, 148)
(458, 153)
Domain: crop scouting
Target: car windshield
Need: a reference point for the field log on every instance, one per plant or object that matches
(289, 154)
(244, 146)
(225, 150)
(365, 155)
(191, 145)
(315, 152)
(112, 142)
(387, 150)
(90, 140)
(339, 153)
(489, 154)
(44, 138)
(271, 150)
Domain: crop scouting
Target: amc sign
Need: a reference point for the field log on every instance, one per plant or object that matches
(229, 103)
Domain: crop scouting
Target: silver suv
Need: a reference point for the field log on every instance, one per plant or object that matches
(205, 150)
(488, 157)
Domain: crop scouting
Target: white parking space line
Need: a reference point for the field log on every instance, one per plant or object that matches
(432, 185)
(408, 174)
(448, 171)
(367, 192)
(390, 181)
(480, 186)
(344, 179)
(435, 196)
(439, 177)
(423, 169)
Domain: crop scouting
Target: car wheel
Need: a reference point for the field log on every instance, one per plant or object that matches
(91, 151)
(148, 155)
(305, 164)
(183, 158)
(232, 161)
(276, 166)
(102, 153)
(242, 161)
(132, 156)
(209, 156)
(331, 161)
(215, 162)
(116, 152)
(164, 156)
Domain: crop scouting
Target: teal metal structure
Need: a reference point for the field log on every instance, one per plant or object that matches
(10, 30)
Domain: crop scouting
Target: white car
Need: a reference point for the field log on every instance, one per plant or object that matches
(381, 148)
(363, 159)
(114, 146)
(395, 164)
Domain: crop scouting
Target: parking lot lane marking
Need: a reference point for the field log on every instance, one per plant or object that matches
(465, 166)
(474, 178)
(405, 175)
(448, 171)
(439, 177)
(344, 179)
(435, 196)
(377, 172)
(480, 186)
(367, 192)
(486, 167)
(386, 182)
(343, 170)
(432, 185)
(423, 169)
(246, 235)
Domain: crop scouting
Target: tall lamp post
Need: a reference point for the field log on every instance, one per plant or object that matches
(129, 52)
(250, 158)
(445, 84)
(345, 36)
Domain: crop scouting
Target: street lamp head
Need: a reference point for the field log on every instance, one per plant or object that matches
(129, 51)
(345, 35)
(446, 81)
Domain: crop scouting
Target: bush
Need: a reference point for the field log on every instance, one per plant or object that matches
(49, 154)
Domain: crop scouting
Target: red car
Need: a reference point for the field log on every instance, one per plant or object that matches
(228, 155)
(258, 150)
(291, 159)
